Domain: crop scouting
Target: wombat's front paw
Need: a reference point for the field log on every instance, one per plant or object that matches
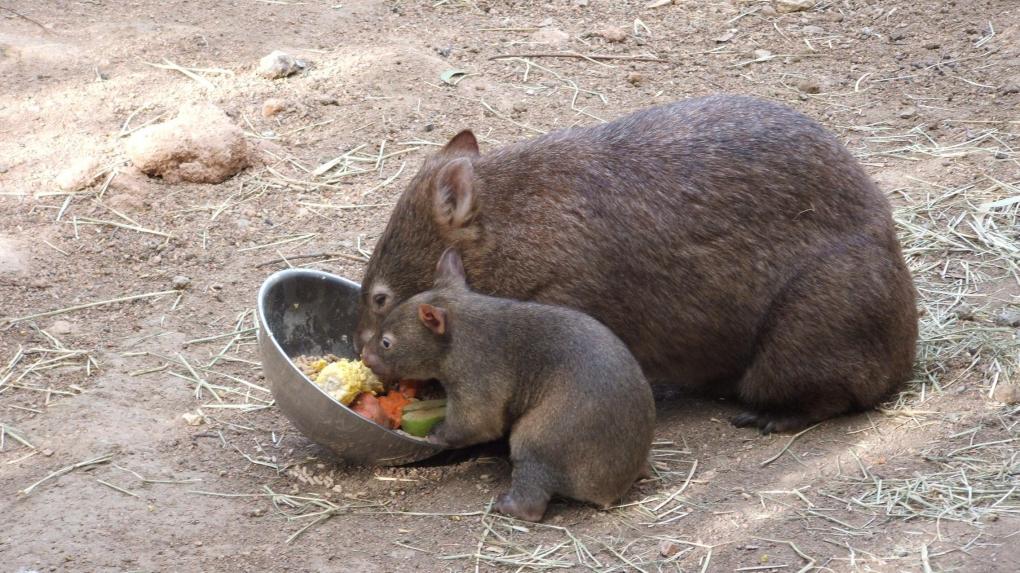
(507, 504)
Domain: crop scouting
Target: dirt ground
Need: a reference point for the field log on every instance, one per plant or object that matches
(925, 93)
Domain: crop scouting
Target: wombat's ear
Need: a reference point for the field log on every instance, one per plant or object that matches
(450, 269)
(433, 317)
(454, 199)
(464, 143)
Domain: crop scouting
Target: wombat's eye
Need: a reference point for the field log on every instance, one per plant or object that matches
(386, 343)
(379, 300)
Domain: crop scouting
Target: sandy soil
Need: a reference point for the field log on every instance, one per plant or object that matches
(926, 93)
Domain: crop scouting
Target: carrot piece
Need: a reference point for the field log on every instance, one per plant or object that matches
(392, 405)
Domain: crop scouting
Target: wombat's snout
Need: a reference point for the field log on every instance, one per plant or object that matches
(374, 363)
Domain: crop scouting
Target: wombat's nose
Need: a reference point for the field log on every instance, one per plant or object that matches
(370, 360)
(361, 340)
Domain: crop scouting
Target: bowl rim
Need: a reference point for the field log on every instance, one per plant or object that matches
(264, 329)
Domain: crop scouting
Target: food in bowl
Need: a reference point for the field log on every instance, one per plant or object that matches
(413, 407)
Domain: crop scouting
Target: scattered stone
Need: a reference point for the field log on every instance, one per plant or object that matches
(193, 419)
(635, 78)
(813, 30)
(273, 106)
(668, 548)
(581, 3)
(762, 54)
(788, 6)
(4, 168)
(200, 145)
(279, 65)
(613, 34)
(897, 36)
(1009, 88)
(809, 86)
(931, 45)
(1007, 393)
(47, 452)
(257, 512)
(60, 327)
(726, 36)
(180, 282)
(328, 100)
(1007, 317)
(79, 175)
(964, 311)
(520, 107)
(550, 36)
(908, 113)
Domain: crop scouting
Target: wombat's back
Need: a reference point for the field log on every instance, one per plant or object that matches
(676, 226)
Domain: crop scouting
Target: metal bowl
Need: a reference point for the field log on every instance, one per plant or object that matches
(307, 312)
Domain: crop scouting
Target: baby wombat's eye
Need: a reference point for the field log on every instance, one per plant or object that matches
(386, 342)
(379, 300)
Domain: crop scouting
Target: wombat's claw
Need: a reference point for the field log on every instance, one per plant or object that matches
(768, 423)
(508, 505)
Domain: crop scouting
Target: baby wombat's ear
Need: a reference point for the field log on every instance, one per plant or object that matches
(454, 199)
(464, 143)
(433, 317)
(450, 269)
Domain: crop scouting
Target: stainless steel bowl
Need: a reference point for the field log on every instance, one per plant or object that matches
(307, 312)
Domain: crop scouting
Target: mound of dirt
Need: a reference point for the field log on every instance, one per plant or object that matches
(200, 145)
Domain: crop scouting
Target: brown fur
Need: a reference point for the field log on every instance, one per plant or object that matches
(572, 397)
(733, 244)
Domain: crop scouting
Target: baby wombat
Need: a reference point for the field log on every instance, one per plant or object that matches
(732, 243)
(579, 412)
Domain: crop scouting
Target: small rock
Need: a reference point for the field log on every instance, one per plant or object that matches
(788, 6)
(257, 512)
(47, 452)
(908, 113)
(279, 65)
(809, 86)
(635, 78)
(327, 100)
(613, 34)
(931, 45)
(180, 282)
(520, 107)
(1009, 88)
(668, 548)
(429, 127)
(964, 311)
(550, 36)
(60, 327)
(762, 54)
(193, 419)
(812, 30)
(897, 36)
(444, 52)
(80, 174)
(4, 168)
(726, 36)
(1007, 317)
(581, 3)
(273, 106)
(200, 145)
(338, 489)
(1007, 393)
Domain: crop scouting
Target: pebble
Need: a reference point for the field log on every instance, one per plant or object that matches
(809, 86)
(635, 78)
(180, 282)
(908, 113)
(931, 45)
(812, 30)
(726, 36)
(550, 36)
(60, 327)
(762, 54)
(1009, 88)
(788, 6)
(80, 174)
(613, 34)
(1007, 393)
(1007, 317)
(964, 312)
(193, 419)
(273, 106)
(668, 548)
(279, 65)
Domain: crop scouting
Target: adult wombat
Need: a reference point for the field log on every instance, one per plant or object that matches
(578, 410)
(732, 243)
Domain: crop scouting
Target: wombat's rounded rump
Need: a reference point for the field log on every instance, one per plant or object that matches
(732, 243)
